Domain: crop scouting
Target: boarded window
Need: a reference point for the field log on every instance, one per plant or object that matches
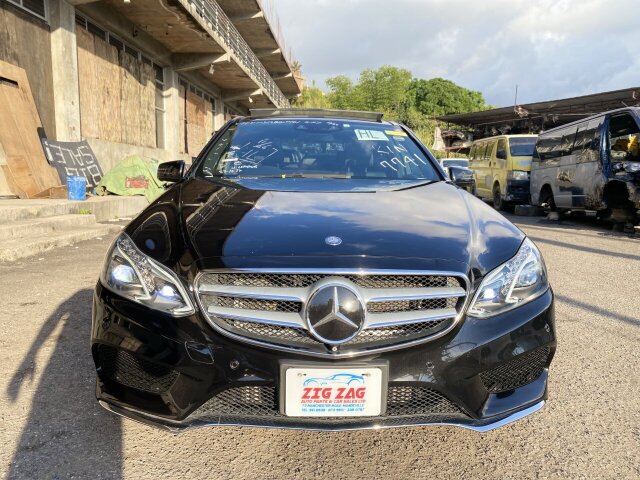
(118, 90)
(35, 7)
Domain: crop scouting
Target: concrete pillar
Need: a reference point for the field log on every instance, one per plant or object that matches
(172, 105)
(218, 115)
(64, 60)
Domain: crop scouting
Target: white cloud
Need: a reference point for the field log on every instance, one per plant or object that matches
(549, 48)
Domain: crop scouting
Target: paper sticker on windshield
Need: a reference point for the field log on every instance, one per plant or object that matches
(396, 133)
(364, 135)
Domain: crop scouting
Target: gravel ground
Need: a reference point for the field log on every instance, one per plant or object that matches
(53, 428)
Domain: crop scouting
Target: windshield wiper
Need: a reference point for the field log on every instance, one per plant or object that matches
(302, 175)
(422, 184)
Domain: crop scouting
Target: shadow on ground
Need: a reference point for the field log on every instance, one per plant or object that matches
(66, 433)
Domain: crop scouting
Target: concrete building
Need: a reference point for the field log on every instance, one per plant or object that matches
(150, 77)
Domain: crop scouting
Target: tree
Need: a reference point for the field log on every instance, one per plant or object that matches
(340, 92)
(438, 96)
(312, 97)
(393, 91)
(383, 89)
(380, 90)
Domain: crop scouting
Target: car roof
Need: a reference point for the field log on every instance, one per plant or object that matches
(518, 135)
(267, 113)
(636, 110)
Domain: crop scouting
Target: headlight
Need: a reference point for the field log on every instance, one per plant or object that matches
(516, 282)
(517, 175)
(134, 275)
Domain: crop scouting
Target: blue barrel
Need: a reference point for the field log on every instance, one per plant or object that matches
(77, 187)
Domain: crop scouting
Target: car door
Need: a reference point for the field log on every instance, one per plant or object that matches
(479, 167)
(499, 168)
(589, 177)
(490, 155)
(565, 179)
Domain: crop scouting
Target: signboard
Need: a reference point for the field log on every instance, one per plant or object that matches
(73, 158)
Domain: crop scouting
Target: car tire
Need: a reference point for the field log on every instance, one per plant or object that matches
(498, 203)
(547, 197)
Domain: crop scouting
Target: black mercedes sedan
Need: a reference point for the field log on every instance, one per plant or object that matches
(317, 270)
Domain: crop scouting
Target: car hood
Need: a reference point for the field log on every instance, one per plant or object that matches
(435, 226)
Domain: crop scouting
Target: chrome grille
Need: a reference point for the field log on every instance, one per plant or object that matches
(268, 308)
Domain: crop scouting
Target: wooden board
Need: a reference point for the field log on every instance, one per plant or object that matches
(89, 85)
(108, 96)
(130, 94)
(147, 115)
(26, 170)
(195, 123)
(183, 119)
(208, 120)
(5, 188)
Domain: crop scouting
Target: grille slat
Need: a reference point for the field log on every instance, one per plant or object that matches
(269, 307)
(256, 304)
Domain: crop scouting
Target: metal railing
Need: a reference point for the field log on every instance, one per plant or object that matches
(217, 20)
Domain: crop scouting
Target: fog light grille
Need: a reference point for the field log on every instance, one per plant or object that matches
(523, 369)
(127, 369)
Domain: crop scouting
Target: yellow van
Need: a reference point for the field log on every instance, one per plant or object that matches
(501, 166)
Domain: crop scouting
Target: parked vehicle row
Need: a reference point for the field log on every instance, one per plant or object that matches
(590, 164)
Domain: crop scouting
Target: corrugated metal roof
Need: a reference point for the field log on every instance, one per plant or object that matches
(556, 112)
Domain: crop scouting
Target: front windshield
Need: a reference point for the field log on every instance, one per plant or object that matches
(523, 146)
(455, 163)
(316, 148)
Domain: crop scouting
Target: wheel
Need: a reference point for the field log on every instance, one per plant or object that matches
(498, 203)
(546, 198)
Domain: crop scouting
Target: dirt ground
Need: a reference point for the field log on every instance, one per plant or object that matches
(52, 427)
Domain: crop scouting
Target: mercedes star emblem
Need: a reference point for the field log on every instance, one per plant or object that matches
(333, 241)
(335, 313)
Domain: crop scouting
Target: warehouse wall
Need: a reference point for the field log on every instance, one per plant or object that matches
(34, 56)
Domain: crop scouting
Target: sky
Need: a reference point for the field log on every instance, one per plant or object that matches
(550, 49)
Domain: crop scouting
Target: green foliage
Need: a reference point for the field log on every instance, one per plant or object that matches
(412, 101)
(443, 97)
(341, 94)
(312, 97)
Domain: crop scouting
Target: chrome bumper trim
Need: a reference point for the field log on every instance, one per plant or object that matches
(177, 427)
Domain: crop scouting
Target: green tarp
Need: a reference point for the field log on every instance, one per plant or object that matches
(135, 175)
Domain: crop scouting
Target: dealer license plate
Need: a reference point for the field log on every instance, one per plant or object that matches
(333, 392)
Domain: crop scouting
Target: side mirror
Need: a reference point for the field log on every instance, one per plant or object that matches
(501, 154)
(460, 176)
(171, 171)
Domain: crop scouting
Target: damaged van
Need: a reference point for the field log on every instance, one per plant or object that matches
(501, 168)
(590, 164)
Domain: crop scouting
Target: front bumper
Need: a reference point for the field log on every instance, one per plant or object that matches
(518, 192)
(179, 373)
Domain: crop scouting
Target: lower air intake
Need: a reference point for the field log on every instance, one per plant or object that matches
(523, 369)
(131, 371)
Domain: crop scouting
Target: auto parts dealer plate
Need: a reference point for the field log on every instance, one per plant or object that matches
(351, 391)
